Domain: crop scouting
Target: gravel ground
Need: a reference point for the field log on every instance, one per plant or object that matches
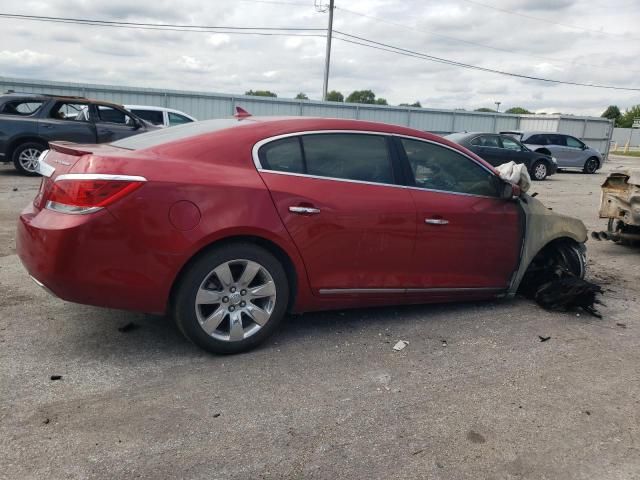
(475, 394)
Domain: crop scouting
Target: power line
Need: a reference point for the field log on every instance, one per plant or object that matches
(424, 56)
(482, 45)
(540, 19)
(154, 26)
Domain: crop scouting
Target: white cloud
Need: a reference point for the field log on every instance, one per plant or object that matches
(287, 65)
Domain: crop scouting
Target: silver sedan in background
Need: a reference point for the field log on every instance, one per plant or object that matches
(568, 151)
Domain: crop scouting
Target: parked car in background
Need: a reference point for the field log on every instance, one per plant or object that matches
(29, 121)
(160, 116)
(498, 149)
(246, 219)
(567, 150)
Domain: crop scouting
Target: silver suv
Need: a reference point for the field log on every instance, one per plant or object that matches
(568, 151)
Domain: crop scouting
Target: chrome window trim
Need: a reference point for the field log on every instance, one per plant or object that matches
(258, 165)
(100, 176)
(349, 291)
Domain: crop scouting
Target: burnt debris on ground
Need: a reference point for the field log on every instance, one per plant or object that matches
(554, 282)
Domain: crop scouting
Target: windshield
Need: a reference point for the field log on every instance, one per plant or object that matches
(180, 132)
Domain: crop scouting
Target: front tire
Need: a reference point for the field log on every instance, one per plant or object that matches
(25, 157)
(231, 298)
(539, 170)
(591, 165)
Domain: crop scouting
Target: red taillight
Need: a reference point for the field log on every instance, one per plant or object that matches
(86, 193)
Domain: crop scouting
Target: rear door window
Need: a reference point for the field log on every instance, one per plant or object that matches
(438, 168)
(21, 107)
(559, 140)
(69, 111)
(537, 140)
(348, 156)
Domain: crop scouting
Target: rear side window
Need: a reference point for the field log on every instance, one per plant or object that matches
(556, 140)
(153, 116)
(439, 168)
(283, 155)
(21, 107)
(348, 156)
(113, 115)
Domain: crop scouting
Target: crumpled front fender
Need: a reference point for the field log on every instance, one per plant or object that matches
(543, 226)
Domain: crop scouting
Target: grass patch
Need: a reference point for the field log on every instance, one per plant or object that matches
(628, 154)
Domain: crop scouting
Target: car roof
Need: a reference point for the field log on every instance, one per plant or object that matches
(46, 96)
(267, 127)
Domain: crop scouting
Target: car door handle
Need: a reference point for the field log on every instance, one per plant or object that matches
(436, 221)
(47, 126)
(307, 210)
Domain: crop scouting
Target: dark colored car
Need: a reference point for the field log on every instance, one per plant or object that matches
(498, 149)
(28, 122)
(228, 224)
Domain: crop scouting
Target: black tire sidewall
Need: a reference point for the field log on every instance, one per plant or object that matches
(184, 300)
(19, 149)
(589, 161)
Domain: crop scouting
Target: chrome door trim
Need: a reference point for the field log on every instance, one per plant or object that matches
(356, 291)
(309, 210)
(99, 176)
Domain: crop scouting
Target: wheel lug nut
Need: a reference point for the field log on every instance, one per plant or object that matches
(243, 292)
(233, 289)
(242, 304)
(232, 308)
(225, 299)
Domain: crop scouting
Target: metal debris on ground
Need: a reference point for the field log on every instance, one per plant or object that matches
(56, 377)
(543, 339)
(621, 325)
(128, 327)
(400, 345)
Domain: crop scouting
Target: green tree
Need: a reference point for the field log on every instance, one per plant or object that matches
(518, 110)
(414, 104)
(260, 93)
(335, 96)
(484, 109)
(361, 96)
(302, 96)
(381, 101)
(626, 119)
(612, 113)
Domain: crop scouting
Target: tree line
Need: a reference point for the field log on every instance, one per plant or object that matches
(369, 97)
(623, 120)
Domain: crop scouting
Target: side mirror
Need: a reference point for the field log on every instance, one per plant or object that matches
(510, 191)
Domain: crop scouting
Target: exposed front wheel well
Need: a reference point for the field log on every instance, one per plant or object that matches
(273, 248)
(543, 150)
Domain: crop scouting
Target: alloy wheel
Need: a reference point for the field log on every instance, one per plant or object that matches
(540, 172)
(591, 166)
(235, 300)
(29, 159)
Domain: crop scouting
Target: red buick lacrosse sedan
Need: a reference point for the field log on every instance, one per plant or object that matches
(227, 225)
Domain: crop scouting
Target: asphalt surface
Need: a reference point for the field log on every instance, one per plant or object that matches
(475, 394)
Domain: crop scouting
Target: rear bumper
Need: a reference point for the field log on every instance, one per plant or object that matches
(77, 258)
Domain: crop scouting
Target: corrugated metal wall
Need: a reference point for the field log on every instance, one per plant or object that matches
(593, 130)
(623, 135)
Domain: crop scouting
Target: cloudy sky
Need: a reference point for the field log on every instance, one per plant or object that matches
(586, 41)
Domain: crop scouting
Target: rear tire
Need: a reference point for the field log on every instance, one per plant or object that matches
(231, 298)
(25, 157)
(591, 165)
(539, 170)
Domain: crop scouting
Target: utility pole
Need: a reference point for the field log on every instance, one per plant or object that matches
(497, 106)
(327, 59)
